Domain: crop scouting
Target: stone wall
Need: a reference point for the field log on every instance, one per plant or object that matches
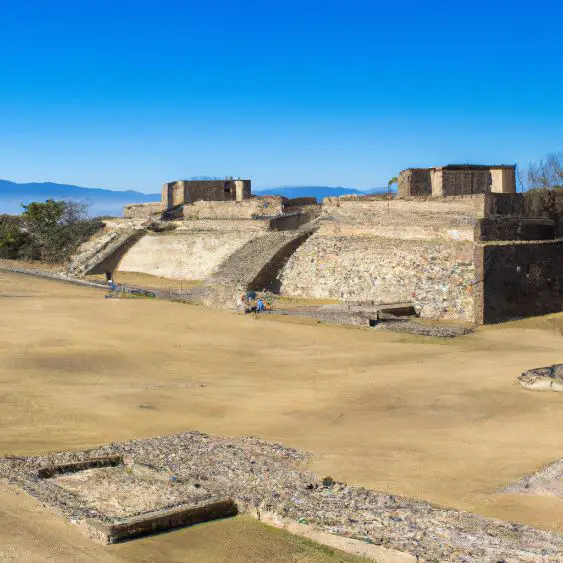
(514, 228)
(437, 276)
(546, 203)
(416, 218)
(424, 250)
(448, 181)
(184, 254)
(226, 226)
(536, 204)
(518, 280)
(141, 211)
(414, 182)
(248, 209)
(457, 179)
(189, 191)
(290, 221)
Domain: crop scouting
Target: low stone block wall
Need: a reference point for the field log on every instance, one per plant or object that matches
(141, 211)
(226, 226)
(537, 204)
(441, 212)
(246, 209)
(545, 203)
(514, 228)
(289, 222)
(510, 205)
(412, 218)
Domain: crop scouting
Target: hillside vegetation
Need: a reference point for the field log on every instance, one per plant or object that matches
(49, 231)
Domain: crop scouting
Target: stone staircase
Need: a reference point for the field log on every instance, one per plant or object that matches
(254, 266)
(104, 254)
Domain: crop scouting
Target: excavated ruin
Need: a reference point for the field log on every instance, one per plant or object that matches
(127, 489)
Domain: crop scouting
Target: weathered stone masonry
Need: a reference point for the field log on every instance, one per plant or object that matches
(391, 251)
(481, 255)
(435, 276)
(451, 257)
(184, 191)
(457, 179)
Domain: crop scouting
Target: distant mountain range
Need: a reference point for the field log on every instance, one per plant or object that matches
(314, 191)
(102, 202)
(111, 202)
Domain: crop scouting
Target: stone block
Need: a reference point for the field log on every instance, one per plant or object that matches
(159, 521)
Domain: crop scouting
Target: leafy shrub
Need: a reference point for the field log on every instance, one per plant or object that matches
(50, 231)
(12, 238)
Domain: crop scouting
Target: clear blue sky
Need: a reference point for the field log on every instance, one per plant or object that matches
(130, 94)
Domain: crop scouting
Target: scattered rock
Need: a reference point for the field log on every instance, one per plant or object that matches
(549, 378)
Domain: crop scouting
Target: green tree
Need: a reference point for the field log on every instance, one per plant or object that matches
(12, 238)
(41, 222)
(55, 229)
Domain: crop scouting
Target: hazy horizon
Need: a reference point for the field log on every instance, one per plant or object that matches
(157, 191)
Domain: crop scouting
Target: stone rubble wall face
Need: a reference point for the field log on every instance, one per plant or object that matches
(256, 265)
(452, 219)
(141, 211)
(189, 256)
(233, 209)
(436, 276)
(410, 212)
(226, 226)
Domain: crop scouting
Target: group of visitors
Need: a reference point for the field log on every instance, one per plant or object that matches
(253, 302)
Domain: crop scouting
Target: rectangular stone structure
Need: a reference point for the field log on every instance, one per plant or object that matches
(159, 521)
(457, 179)
(181, 192)
(414, 182)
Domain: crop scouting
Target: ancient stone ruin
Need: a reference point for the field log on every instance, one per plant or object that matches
(189, 191)
(457, 179)
(125, 490)
(456, 243)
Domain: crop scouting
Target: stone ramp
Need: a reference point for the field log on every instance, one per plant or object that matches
(254, 266)
(105, 255)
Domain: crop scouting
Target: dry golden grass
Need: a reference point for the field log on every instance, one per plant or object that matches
(440, 420)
